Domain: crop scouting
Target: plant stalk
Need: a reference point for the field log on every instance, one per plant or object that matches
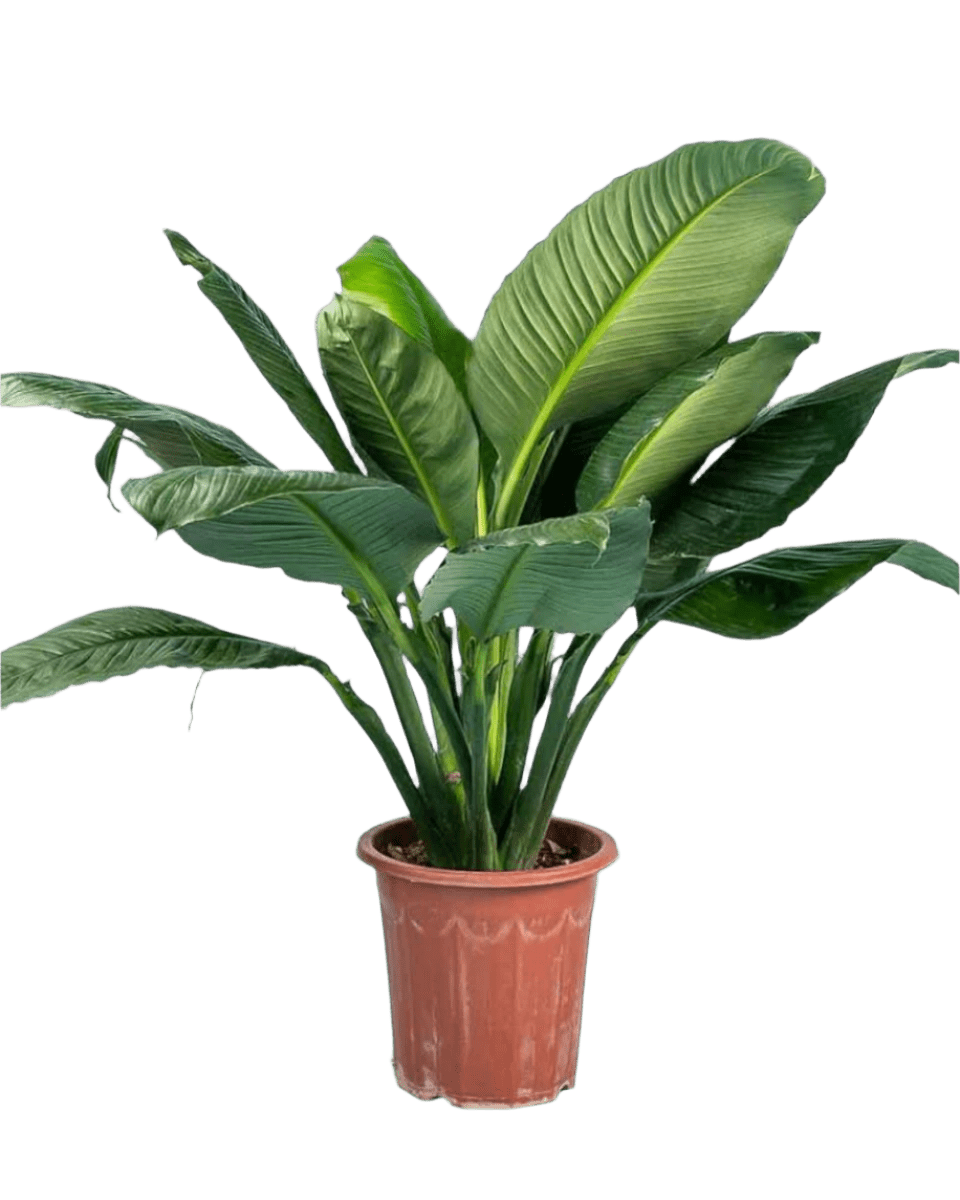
(524, 837)
(446, 814)
(437, 634)
(577, 725)
(528, 691)
(438, 849)
(415, 647)
(503, 659)
(476, 701)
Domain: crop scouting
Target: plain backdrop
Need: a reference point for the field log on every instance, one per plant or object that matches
(193, 1000)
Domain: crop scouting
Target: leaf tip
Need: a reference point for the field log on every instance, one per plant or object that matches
(186, 252)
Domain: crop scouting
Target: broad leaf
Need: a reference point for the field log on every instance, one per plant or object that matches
(648, 273)
(270, 353)
(774, 592)
(119, 641)
(377, 277)
(679, 421)
(779, 462)
(403, 410)
(170, 436)
(344, 529)
(570, 575)
(554, 490)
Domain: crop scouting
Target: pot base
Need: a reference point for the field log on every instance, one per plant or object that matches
(437, 1093)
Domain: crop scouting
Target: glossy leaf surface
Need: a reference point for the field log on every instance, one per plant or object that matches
(774, 592)
(120, 641)
(344, 529)
(270, 353)
(779, 462)
(646, 274)
(686, 415)
(377, 277)
(171, 436)
(574, 574)
(403, 410)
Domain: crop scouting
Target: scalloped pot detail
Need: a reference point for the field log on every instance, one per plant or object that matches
(486, 970)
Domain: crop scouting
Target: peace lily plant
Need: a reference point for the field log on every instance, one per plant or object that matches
(557, 458)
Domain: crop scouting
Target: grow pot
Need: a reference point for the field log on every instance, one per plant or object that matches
(486, 969)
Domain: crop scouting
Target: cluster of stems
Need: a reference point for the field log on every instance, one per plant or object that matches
(470, 802)
(481, 801)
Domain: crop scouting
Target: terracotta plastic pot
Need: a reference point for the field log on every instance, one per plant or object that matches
(486, 969)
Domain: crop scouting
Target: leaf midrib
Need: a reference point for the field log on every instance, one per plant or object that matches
(429, 491)
(235, 638)
(566, 375)
(496, 609)
(376, 588)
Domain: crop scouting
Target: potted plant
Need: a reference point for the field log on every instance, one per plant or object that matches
(565, 458)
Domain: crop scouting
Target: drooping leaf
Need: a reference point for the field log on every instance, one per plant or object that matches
(779, 462)
(647, 274)
(172, 437)
(403, 410)
(377, 277)
(686, 415)
(774, 592)
(106, 459)
(120, 641)
(345, 529)
(570, 575)
(270, 353)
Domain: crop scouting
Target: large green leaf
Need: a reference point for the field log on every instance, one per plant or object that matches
(403, 410)
(685, 416)
(779, 462)
(646, 274)
(570, 575)
(270, 353)
(166, 435)
(774, 592)
(344, 529)
(120, 641)
(377, 277)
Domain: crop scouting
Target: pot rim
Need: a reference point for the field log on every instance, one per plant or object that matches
(605, 853)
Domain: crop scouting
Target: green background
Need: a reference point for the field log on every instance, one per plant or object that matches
(195, 1000)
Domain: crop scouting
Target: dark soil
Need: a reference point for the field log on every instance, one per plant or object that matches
(550, 855)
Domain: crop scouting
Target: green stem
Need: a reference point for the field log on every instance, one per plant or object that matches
(503, 658)
(476, 712)
(532, 507)
(518, 483)
(522, 840)
(444, 815)
(577, 726)
(437, 634)
(369, 721)
(416, 649)
(528, 692)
